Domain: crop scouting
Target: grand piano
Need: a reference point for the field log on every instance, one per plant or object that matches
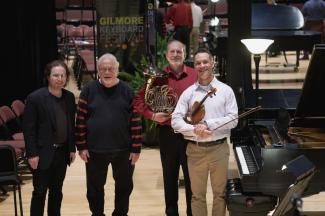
(281, 23)
(273, 143)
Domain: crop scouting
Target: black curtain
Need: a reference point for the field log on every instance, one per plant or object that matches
(28, 43)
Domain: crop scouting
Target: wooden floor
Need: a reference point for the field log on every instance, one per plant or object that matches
(147, 198)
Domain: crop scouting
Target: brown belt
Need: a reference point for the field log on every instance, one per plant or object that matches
(209, 144)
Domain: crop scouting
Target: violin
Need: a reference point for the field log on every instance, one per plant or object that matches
(198, 112)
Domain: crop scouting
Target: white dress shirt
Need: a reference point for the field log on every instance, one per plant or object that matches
(218, 110)
(197, 15)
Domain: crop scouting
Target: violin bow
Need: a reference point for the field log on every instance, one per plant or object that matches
(242, 115)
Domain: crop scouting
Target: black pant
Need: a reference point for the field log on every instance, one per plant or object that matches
(183, 35)
(96, 170)
(52, 178)
(173, 154)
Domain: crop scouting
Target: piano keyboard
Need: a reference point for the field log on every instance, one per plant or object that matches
(248, 159)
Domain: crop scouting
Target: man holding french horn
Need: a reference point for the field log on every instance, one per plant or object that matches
(156, 101)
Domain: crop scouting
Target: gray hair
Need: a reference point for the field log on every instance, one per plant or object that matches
(107, 55)
(170, 42)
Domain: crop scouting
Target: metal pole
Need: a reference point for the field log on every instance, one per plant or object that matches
(93, 8)
(257, 59)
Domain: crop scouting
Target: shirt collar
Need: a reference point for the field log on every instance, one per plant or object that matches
(169, 71)
(212, 84)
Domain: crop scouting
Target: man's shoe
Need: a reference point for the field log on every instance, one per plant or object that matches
(304, 58)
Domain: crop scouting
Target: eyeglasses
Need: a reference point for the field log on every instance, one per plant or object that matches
(111, 70)
(56, 76)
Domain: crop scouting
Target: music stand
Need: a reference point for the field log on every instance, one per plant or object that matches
(303, 169)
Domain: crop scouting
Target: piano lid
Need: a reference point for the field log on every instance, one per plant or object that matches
(312, 97)
(277, 17)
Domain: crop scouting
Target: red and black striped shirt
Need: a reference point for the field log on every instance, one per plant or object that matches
(106, 119)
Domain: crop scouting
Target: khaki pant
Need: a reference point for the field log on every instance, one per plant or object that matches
(201, 160)
(194, 40)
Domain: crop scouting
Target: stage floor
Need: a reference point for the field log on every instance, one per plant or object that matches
(147, 198)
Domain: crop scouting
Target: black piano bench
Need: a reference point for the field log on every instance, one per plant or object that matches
(240, 203)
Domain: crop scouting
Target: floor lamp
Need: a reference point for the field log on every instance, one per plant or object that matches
(256, 47)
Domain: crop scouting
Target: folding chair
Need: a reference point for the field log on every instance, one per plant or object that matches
(6, 115)
(73, 17)
(59, 17)
(83, 27)
(87, 17)
(20, 146)
(60, 5)
(88, 4)
(9, 173)
(18, 108)
(77, 4)
(18, 153)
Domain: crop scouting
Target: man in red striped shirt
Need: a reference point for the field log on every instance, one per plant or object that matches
(108, 131)
(180, 15)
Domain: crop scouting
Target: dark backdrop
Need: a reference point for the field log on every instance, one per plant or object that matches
(28, 43)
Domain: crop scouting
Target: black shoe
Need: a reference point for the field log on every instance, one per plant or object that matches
(304, 58)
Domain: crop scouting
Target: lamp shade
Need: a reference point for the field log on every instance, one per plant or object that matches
(257, 46)
(214, 0)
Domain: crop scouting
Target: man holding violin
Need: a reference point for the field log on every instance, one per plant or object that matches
(172, 145)
(207, 149)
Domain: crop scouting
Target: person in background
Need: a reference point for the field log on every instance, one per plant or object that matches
(271, 2)
(314, 13)
(197, 19)
(180, 15)
(172, 145)
(160, 22)
(48, 128)
(207, 150)
(108, 131)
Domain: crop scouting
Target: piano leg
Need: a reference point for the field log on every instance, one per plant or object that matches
(296, 69)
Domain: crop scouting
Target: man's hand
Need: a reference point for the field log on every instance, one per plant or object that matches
(199, 128)
(72, 157)
(134, 157)
(161, 117)
(206, 134)
(33, 161)
(84, 155)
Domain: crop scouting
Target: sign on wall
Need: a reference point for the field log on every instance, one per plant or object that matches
(122, 30)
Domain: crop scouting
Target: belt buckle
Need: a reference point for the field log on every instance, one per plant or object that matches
(55, 145)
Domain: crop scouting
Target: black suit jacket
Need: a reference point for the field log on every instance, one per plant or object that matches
(39, 126)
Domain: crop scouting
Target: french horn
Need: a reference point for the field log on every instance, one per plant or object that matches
(158, 98)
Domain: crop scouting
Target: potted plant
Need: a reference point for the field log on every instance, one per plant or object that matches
(137, 80)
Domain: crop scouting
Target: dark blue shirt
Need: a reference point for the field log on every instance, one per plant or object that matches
(314, 10)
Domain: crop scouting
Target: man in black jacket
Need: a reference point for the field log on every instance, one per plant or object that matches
(108, 131)
(48, 128)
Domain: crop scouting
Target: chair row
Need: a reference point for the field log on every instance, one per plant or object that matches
(12, 150)
(63, 4)
(9, 116)
(76, 17)
(84, 63)
(82, 31)
(83, 34)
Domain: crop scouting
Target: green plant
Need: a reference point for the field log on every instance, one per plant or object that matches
(160, 49)
(137, 80)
